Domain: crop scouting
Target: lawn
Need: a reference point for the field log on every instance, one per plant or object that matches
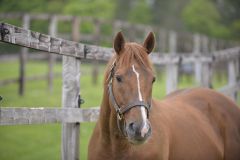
(39, 142)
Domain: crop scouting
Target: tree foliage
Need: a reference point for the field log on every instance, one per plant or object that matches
(167, 13)
(36, 6)
(230, 15)
(202, 16)
(219, 18)
(140, 12)
(122, 10)
(94, 8)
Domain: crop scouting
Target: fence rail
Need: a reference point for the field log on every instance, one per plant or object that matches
(35, 40)
(24, 115)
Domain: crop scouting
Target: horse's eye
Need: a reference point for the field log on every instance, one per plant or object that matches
(118, 78)
(154, 79)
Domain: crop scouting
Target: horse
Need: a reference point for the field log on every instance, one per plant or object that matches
(188, 124)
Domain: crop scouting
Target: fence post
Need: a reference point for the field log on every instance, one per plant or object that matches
(162, 40)
(196, 51)
(23, 59)
(202, 69)
(76, 29)
(206, 66)
(213, 45)
(95, 65)
(232, 77)
(116, 27)
(205, 42)
(51, 57)
(70, 93)
(172, 69)
(206, 74)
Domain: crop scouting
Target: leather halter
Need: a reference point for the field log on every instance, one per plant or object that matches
(123, 109)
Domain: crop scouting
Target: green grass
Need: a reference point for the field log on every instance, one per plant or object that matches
(39, 141)
(44, 141)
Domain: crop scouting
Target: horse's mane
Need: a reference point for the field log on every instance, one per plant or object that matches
(132, 52)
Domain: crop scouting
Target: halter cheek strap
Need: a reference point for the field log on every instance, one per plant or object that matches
(123, 109)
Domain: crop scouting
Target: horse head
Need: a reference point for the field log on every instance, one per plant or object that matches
(130, 87)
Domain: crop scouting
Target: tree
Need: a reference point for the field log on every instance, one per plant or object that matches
(53, 6)
(168, 13)
(122, 10)
(236, 29)
(140, 12)
(230, 16)
(94, 8)
(202, 16)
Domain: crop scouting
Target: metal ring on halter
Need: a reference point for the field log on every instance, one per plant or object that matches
(120, 116)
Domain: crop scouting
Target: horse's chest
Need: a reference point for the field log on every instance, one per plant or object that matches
(130, 154)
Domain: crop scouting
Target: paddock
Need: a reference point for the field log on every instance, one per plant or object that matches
(71, 114)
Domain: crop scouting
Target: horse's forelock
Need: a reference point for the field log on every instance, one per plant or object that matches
(132, 52)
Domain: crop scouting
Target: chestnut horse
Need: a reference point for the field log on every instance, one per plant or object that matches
(193, 124)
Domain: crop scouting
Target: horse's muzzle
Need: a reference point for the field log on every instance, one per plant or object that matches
(138, 132)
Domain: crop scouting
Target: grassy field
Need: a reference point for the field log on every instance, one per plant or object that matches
(39, 142)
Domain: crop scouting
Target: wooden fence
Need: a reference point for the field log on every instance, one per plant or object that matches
(169, 41)
(71, 115)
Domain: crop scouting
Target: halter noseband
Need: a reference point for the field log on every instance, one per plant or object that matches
(121, 110)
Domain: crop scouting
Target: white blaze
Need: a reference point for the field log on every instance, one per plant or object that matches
(138, 83)
(143, 110)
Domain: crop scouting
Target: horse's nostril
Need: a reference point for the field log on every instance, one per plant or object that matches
(134, 127)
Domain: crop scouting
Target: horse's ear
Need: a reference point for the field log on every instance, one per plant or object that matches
(149, 42)
(119, 42)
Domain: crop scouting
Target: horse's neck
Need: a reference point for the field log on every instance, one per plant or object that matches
(108, 124)
(104, 118)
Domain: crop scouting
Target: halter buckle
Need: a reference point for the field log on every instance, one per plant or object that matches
(119, 116)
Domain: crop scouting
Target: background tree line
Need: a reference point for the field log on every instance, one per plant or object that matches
(216, 18)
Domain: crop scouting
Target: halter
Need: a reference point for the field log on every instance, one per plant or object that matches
(123, 109)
